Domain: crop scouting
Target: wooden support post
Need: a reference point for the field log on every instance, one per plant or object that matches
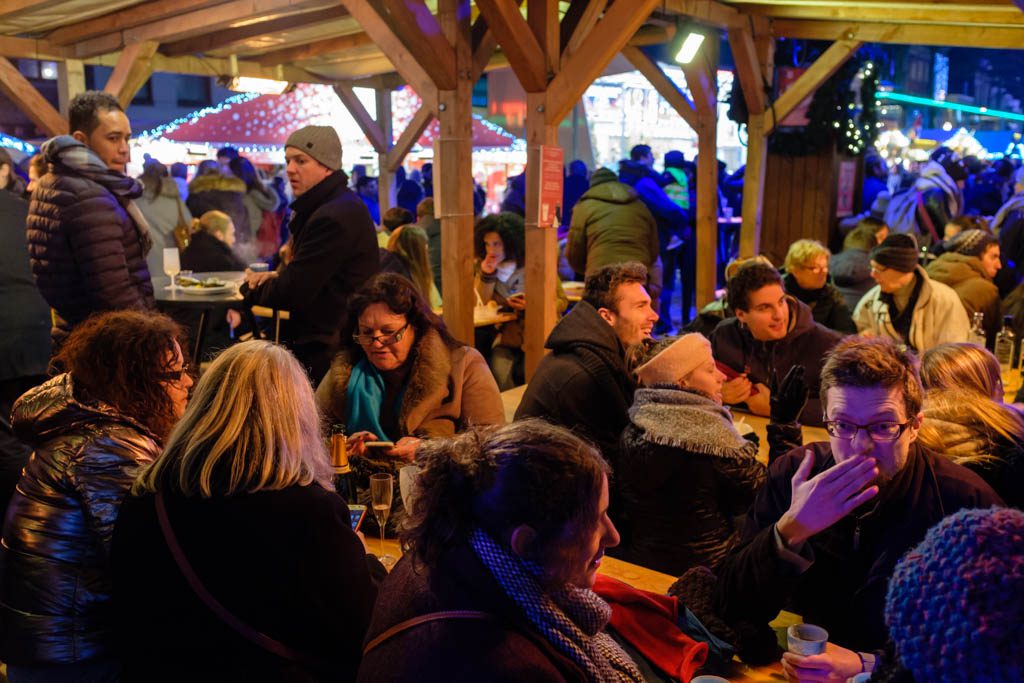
(19, 91)
(541, 243)
(747, 53)
(70, 82)
(453, 172)
(134, 66)
(700, 76)
(385, 178)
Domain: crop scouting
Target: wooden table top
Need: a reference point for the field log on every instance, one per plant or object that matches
(760, 427)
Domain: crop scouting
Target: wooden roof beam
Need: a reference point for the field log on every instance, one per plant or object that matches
(409, 137)
(14, 8)
(665, 86)
(193, 23)
(420, 30)
(525, 53)
(236, 37)
(1007, 38)
(577, 24)
(824, 66)
(372, 17)
(998, 15)
(19, 91)
(748, 68)
(134, 66)
(702, 81)
(135, 15)
(706, 12)
(607, 38)
(371, 129)
(299, 53)
(26, 48)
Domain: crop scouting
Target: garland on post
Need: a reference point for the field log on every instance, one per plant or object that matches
(843, 112)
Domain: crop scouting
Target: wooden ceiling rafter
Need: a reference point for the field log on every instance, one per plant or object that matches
(1007, 38)
(130, 17)
(665, 86)
(134, 66)
(608, 37)
(237, 36)
(308, 51)
(412, 22)
(519, 44)
(370, 127)
(24, 95)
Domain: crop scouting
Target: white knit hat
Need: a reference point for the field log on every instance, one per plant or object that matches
(677, 361)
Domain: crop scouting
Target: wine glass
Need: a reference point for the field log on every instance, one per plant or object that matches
(172, 264)
(382, 488)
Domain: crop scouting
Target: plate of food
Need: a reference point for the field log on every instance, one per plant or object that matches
(205, 286)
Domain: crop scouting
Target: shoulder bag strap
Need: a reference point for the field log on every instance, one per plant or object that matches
(403, 626)
(248, 632)
(923, 213)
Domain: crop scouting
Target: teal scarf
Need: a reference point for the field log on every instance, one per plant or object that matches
(364, 398)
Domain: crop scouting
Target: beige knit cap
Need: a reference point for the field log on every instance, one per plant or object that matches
(320, 142)
(677, 361)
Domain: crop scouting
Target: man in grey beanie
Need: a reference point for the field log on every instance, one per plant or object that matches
(906, 304)
(333, 250)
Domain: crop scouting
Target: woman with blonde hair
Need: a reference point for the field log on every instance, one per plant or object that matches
(409, 244)
(259, 573)
(806, 278)
(211, 246)
(966, 419)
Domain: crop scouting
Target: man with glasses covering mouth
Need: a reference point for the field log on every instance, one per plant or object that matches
(826, 531)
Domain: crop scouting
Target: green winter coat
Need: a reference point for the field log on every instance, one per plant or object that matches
(610, 225)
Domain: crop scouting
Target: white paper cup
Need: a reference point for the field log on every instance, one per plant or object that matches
(259, 267)
(709, 679)
(806, 639)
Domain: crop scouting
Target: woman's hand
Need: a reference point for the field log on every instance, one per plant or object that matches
(760, 403)
(736, 390)
(234, 318)
(517, 302)
(356, 443)
(834, 664)
(405, 448)
(489, 264)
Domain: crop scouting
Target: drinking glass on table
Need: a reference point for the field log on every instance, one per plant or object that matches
(381, 492)
(172, 265)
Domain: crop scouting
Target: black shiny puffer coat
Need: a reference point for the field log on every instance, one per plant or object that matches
(55, 592)
(87, 253)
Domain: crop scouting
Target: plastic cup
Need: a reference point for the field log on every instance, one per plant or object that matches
(259, 267)
(709, 679)
(806, 639)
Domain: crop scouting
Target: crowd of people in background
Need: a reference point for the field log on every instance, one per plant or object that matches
(168, 515)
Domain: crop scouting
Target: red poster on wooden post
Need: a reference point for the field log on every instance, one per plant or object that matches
(551, 162)
(846, 188)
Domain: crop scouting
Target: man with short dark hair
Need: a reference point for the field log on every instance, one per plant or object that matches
(87, 239)
(827, 529)
(583, 383)
(333, 246)
(771, 333)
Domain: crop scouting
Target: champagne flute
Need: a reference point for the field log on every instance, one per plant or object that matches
(172, 264)
(382, 488)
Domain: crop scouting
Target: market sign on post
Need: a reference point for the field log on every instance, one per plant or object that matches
(551, 161)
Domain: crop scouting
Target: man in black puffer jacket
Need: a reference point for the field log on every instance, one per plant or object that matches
(87, 240)
(333, 247)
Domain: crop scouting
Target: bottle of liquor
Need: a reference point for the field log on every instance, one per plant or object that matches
(1006, 354)
(977, 333)
(343, 479)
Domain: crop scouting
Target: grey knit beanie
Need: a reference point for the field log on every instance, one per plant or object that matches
(320, 142)
(972, 242)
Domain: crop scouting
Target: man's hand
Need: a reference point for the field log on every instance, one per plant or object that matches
(823, 500)
(834, 664)
(405, 448)
(517, 302)
(736, 390)
(254, 280)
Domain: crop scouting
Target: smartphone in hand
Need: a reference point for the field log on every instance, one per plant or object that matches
(357, 513)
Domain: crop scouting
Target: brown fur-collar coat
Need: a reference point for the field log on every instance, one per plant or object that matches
(449, 390)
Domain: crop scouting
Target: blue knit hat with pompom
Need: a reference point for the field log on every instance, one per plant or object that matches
(955, 607)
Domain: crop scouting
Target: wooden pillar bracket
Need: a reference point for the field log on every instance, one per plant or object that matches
(134, 67)
(371, 128)
(19, 91)
(665, 86)
(517, 41)
(824, 66)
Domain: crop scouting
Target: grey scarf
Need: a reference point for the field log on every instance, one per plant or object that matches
(687, 420)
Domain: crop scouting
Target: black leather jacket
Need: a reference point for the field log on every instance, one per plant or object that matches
(54, 560)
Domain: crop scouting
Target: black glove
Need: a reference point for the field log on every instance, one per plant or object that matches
(789, 398)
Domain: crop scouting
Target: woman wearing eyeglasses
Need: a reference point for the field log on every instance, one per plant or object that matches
(806, 279)
(125, 385)
(402, 376)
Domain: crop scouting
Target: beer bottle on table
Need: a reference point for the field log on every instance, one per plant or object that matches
(1006, 354)
(343, 479)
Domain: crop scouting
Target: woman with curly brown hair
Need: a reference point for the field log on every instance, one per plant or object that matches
(125, 385)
